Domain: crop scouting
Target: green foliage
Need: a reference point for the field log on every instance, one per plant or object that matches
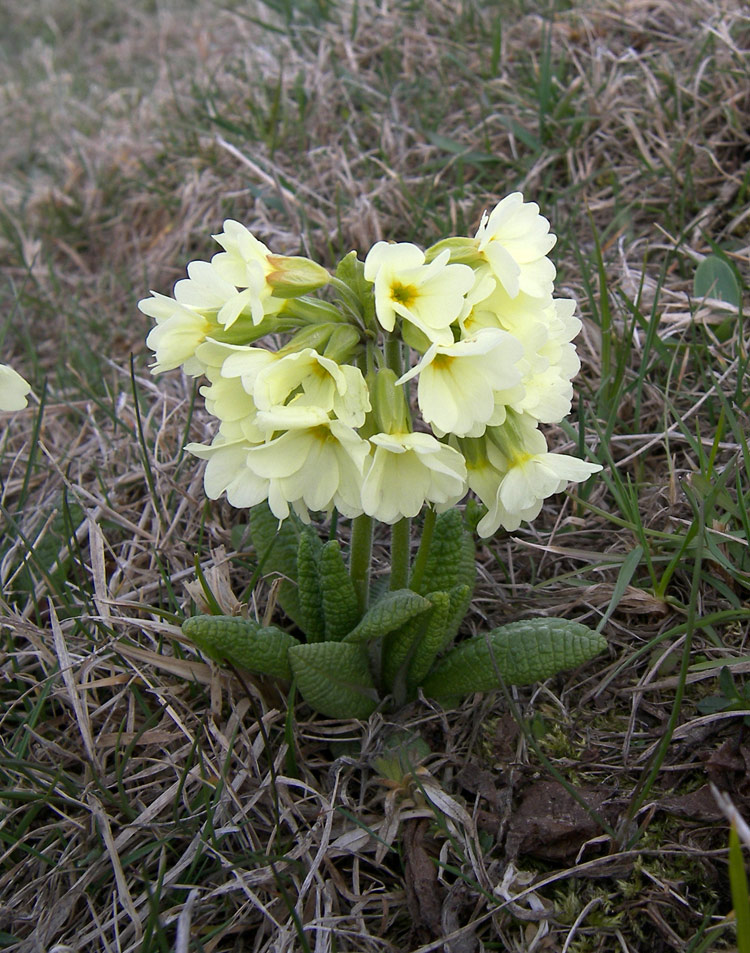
(519, 653)
(402, 753)
(276, 546)
(732, 697)
(335, 679)
(243, 642)
(390, 612)
(450, 609)
(340, 605)
(309, 592)
(348, 656)
(714, 278)
(451, 557)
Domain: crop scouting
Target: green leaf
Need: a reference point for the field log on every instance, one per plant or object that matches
(391, 611)
(398, 648)
(309, 592)
(351, 270)
(521, 652)
(451, 560)
(340, 605)
(243, 642)
(402, 754)
(442, 628)
(276, 546)
(334, 678)
(433, 637)
(714, 278)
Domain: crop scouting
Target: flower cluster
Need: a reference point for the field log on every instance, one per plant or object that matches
(321, 415)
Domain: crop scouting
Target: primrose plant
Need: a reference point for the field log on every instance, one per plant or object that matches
(310, 376)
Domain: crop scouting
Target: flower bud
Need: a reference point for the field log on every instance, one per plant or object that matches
(462, 250)
(389, 404)
(315, 336)
(293, 276)
(342, 344)
(417, 340)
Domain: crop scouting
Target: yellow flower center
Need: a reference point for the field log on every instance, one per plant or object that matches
(404, 294)
(322, 433)
(441, 362)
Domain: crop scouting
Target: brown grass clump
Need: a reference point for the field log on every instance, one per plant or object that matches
(150, 801)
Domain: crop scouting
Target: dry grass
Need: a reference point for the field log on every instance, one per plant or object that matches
(150, 802)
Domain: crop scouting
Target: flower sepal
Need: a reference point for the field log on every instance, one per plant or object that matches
(464, 251)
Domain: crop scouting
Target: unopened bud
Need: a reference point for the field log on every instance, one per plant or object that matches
(292, 276)
(462, 250)
(315, 336)
(344, 341)
(389, 403)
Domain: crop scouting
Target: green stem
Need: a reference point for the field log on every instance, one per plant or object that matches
(393, 354)
(359, 558)
(400, 552)
(424, 548)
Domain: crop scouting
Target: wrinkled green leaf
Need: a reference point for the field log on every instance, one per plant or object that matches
(521, 652)
(340, 604)
(243, 642)
(391, 611)
(334, 678)
(441, 630)
(433, 637)
(277, 547)
(451, 560)
(398, 648)
(309, 591)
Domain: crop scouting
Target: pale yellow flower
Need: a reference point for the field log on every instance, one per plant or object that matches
(203, 304)
(178, 332)
(484, 480)
(316, 464)
(515, 239)
(246, 363)
(545, 327)
(458, 382)
(227, 471)
(245, 259)
(318, 382)
(429, 296)
(409, 470)
(512, 472)
(13, 389)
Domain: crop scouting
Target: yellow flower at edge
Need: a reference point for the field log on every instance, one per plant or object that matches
(514, 239)
(13, 389)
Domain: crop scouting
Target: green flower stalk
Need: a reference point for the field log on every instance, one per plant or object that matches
(386, 390)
